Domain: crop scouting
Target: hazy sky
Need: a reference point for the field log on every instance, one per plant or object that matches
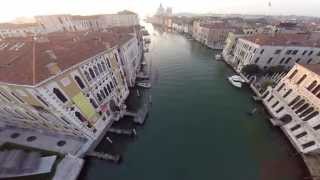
(10, 9)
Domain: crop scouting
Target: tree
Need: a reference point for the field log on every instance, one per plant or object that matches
(275, 69)
(251, 69)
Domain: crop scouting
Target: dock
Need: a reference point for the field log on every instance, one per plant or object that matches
(140, 116)
(129, 132)
(105, 156)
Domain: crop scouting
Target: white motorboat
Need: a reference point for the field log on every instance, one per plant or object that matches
(236, 81)
(218, 57)
(144, 85)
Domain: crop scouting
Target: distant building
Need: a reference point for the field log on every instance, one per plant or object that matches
(267, 50)
(212, 34)
(294, 104)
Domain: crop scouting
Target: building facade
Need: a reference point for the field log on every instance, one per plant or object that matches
(68, 83)
(267, 50)
(294, 103)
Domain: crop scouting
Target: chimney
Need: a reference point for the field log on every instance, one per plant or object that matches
(53, 68)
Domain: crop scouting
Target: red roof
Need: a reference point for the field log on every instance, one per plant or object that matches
(312, 67)
(303, 40)
(24, 60)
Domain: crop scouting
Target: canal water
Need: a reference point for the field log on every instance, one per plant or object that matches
(198, 127)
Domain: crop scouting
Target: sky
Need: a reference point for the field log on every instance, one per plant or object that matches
(10, 9)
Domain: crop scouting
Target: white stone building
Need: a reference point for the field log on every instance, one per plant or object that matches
(64, 83)
(267, 50)
(294, 104)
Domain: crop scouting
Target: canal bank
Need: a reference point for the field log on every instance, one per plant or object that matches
(198, 127)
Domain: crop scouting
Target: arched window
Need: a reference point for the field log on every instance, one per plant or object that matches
(310, 116)
(100, 68)
(99, 97)
(275, 104)
(103, 66)
(93, 102)
(316, 90)
(287, 93)
(308, 144)
(102, 94)
(96, 70)
(280, 109)
(43, 102)
(298, 104)
(60, 95)
(265, 94)
(79, 81)
(293, 74)
(17, 97)
(92, 73)
(111, 85)
(109, 89)
(106, 91)
(270, 98)
(306, 112)
(108, 63)
(294, 101)
(312, 85)
(301, 79)
(79, 116)
(302, 108)
(87, 75)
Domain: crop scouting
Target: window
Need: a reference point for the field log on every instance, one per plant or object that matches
(106, 91)
(298, 60)
(102, 94)
(87, 75)
(103, 66)
(301, 79)
(96, 70)
(280, 109)
(289, 52)
(93, 102)
(17, 97)
(304, 52)
(275, 104)
(298, 104)
(316, 90)
(5, 96)
(100, 68)
(295, 127)
(261, 52)
(309, 110)
(316, 127)
(108, 63)
(309, 61)
(308, 144)
(287, 61)
(295, 52)
(92, 73)
(43, 102)
(294, 101)
(257, 60)
(278, 51)
(282, 60)
(269, 61)
(79, 82)
(318, 54)
(301, 135)
(310, 53)
(302, 108)
(270, 98)
(310, 116)
(99, 97)
(282, 85)
(287, 93)
(79, 116)
(60, 95)
(312, 85)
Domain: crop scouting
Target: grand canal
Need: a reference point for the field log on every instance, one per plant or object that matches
(198, 128)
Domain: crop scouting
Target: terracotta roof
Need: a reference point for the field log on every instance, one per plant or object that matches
(312, 67)
(24, 60)
(16, 26)
(304, 40)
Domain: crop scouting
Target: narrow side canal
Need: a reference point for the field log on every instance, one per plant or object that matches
(198, 127)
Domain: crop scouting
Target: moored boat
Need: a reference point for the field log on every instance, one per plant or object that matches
(236, 81)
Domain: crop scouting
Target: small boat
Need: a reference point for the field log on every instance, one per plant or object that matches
(144, 63)
(218, 57)
(236, 81)
(144, 85)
